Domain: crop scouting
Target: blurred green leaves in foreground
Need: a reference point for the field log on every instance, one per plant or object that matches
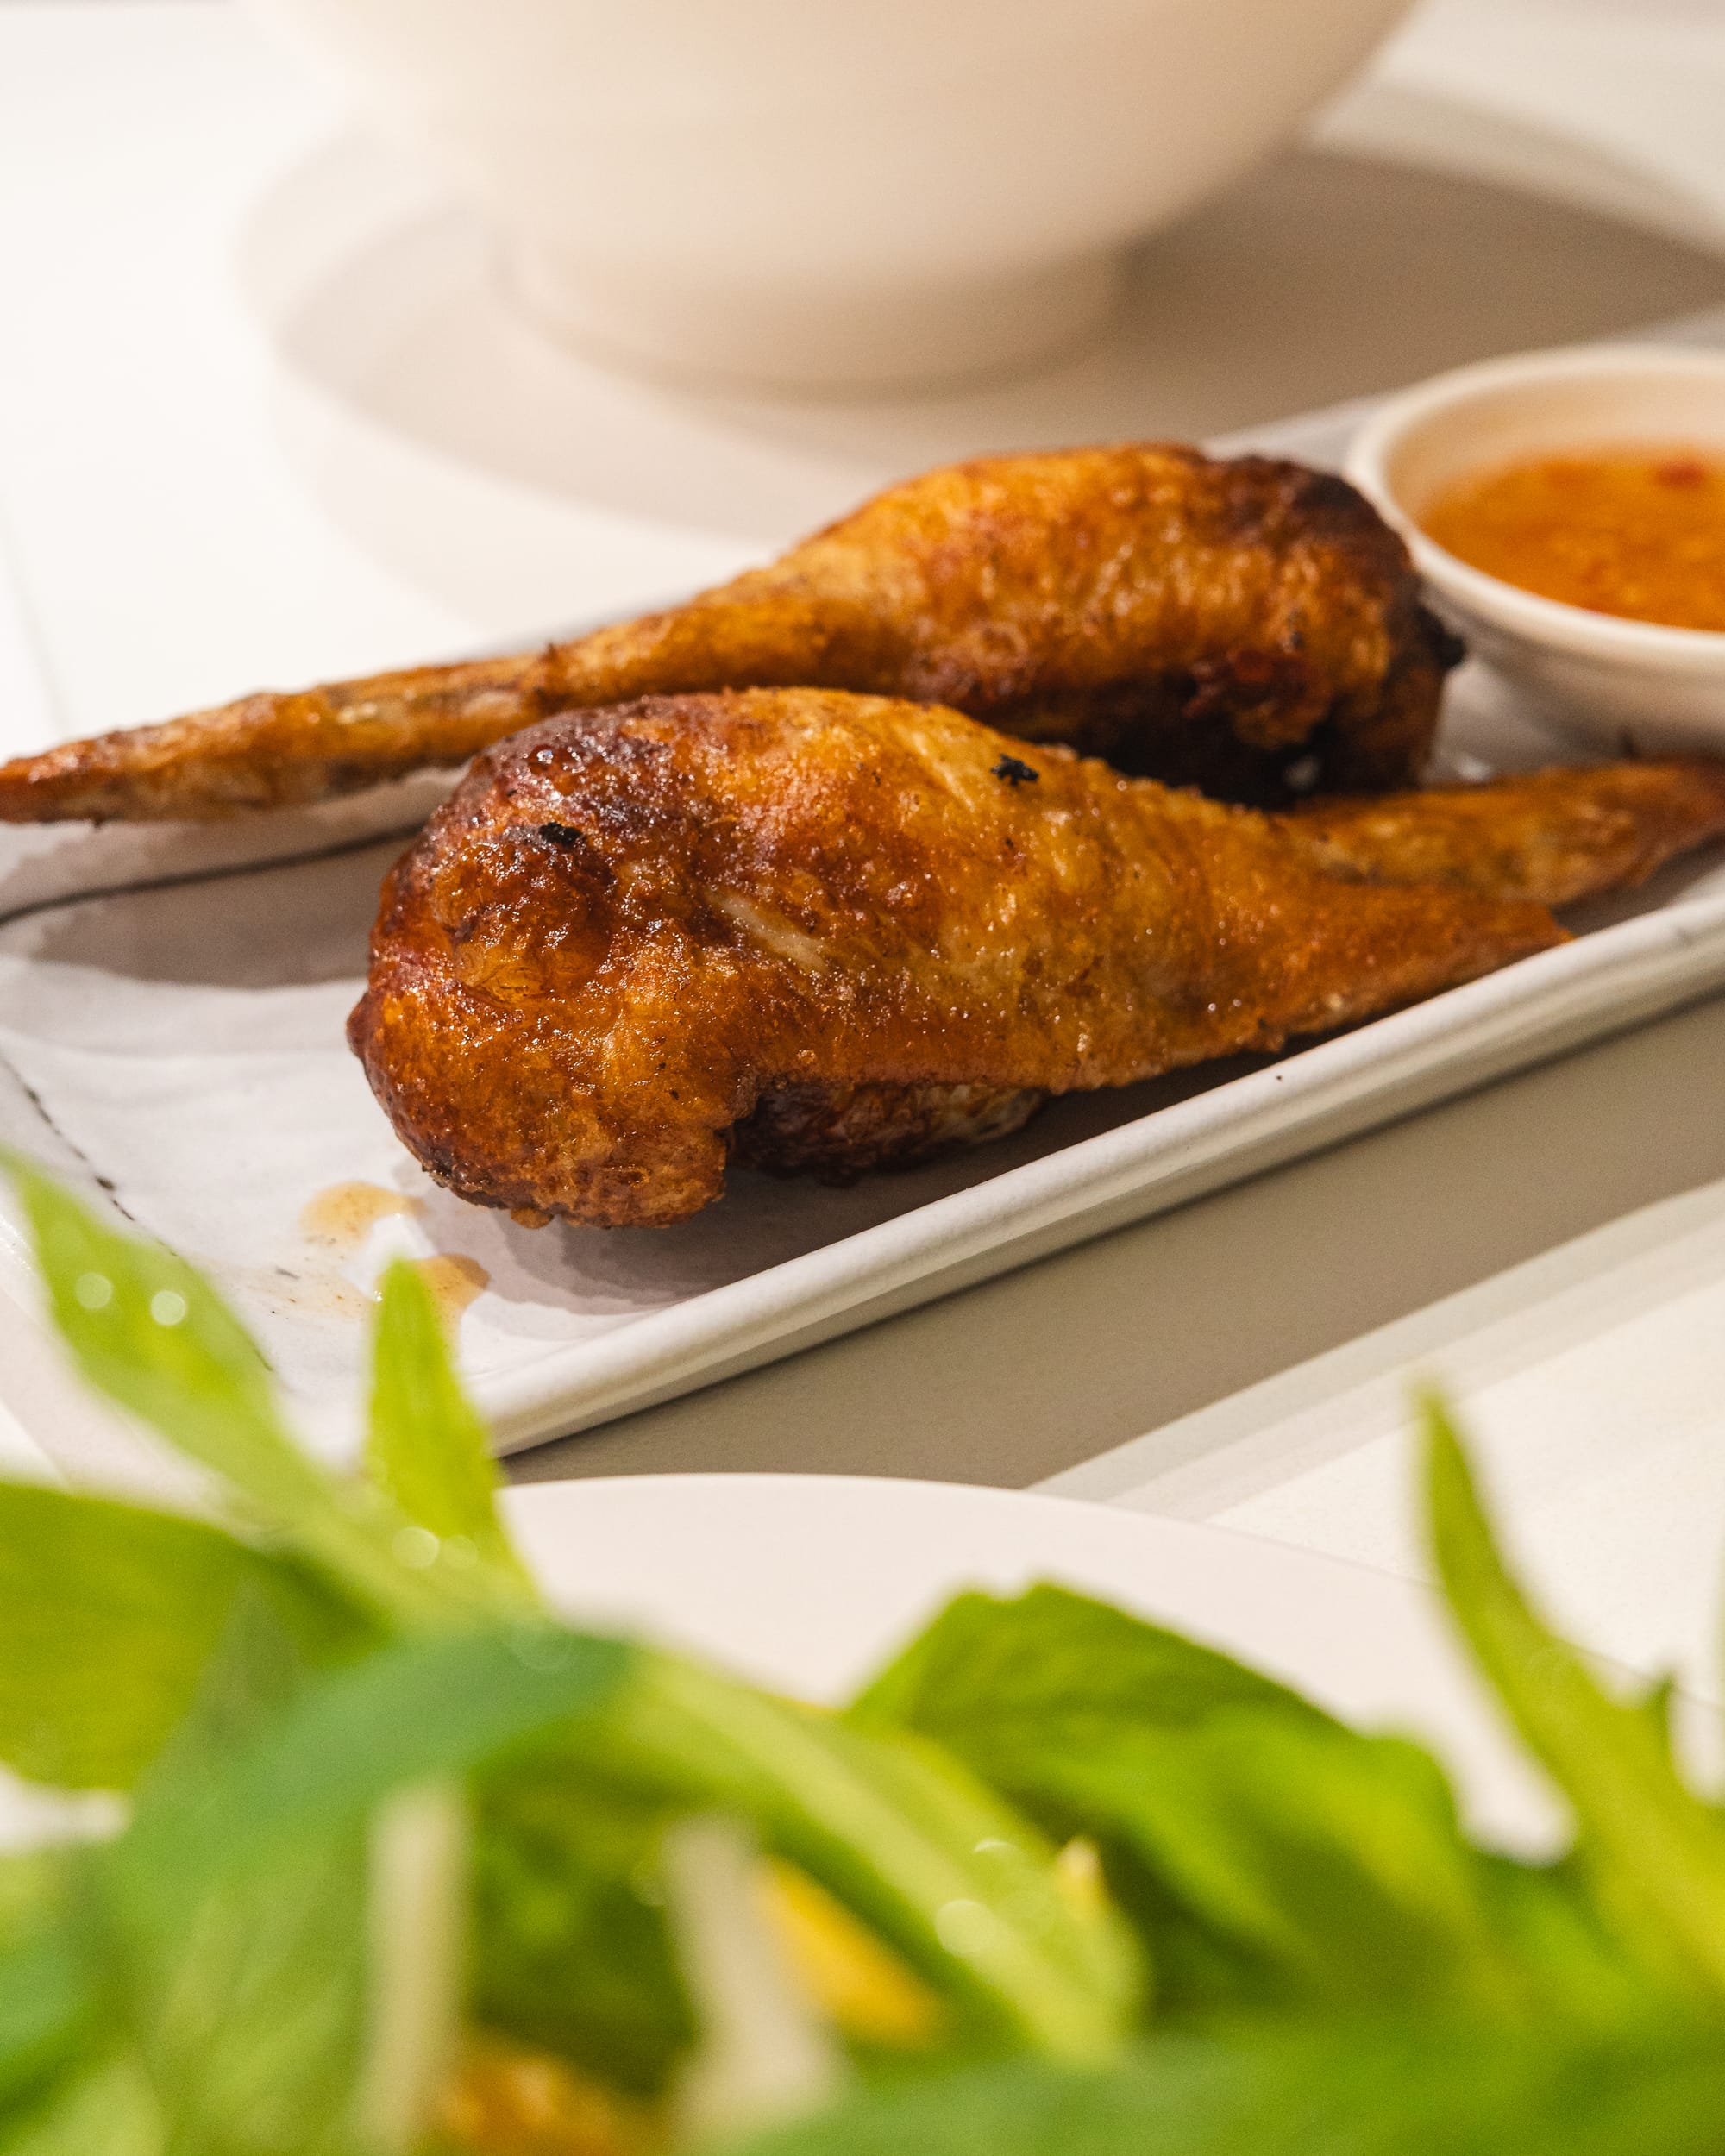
(389, 1861)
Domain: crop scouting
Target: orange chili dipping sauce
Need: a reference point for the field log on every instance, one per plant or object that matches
(1633, 531)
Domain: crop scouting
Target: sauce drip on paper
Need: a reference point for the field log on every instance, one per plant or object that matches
(454, 1281)
(341, 1217)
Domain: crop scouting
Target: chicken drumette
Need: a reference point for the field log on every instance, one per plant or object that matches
(1231, 624)
(811, 930)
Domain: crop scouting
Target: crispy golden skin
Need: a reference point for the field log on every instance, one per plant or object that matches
(820, 931)
(1210, 622)
(1554, 835)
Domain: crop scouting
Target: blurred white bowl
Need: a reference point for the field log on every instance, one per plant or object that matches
(802, 192)
(1632, 686)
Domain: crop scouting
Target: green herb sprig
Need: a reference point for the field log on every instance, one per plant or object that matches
(380, 1804)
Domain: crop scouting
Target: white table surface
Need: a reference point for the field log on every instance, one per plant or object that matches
(262, 418)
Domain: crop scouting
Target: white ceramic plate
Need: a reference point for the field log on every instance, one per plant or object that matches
(809, 1583)
(175, 1041)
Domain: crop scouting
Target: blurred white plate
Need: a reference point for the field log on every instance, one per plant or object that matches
(810, 1582)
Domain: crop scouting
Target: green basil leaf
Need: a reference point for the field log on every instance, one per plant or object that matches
(244, 1999)
(418, 1711)
(251, 2015)
(1051, 1670)
(32, 1881)
(1293, 1867)
(110, 1613)
(230, 1923)
(1574, 1961)
(1277, 1861)
(1655, 1851)
(108, 2109)
(901, 1832)
(148, 1331)
(571, 1949)
(48, 2010)
(1350, 2089)
(427, 1448)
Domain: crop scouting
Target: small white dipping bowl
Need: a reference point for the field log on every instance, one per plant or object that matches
(1633, 685)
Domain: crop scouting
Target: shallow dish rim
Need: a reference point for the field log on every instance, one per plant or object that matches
(1553, 622)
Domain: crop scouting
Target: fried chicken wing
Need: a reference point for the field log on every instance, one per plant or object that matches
(811, 930)
(1554, 835)
(1211, 622)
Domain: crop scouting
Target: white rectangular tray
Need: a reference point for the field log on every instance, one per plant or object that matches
(171, 1011)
